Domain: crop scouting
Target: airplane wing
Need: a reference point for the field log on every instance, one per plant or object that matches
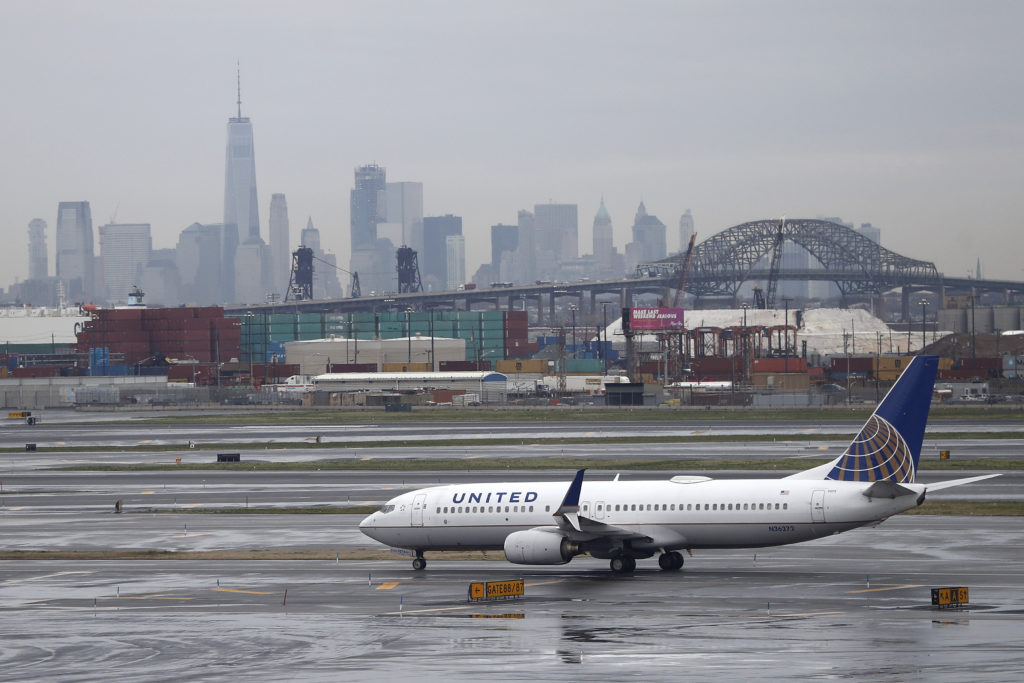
(580, 528)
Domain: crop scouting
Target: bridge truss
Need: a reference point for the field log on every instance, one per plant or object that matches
(858, 266)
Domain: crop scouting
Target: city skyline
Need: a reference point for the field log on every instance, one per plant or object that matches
(853, 119)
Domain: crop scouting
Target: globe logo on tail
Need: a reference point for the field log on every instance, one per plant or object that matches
(879, 453)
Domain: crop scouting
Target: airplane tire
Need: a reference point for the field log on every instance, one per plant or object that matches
(419, 563)
(622, 564)
(671, 561)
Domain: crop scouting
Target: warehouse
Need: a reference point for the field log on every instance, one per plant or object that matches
(491, 387)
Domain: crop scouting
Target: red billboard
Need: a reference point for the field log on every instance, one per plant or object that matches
(656, 318)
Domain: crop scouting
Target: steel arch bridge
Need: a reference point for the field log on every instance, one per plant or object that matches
(858, 266)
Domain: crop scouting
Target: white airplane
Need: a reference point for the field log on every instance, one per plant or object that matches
(548, 523)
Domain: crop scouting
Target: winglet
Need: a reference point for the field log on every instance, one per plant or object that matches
(571, 503)
(572, 496)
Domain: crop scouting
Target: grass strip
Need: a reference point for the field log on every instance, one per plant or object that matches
(538, 463)
(503, 441)
(569, 414)
(994, 508)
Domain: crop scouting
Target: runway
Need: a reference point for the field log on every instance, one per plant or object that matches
(854, 606)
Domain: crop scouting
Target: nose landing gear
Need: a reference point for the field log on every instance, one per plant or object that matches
(420, 562)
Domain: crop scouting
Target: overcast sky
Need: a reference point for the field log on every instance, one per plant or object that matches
(907, 115)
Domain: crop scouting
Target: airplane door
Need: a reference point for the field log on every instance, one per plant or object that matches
(818, 506)
(599, 510)
(419, 503)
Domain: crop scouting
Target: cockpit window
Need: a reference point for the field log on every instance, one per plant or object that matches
(387, 508)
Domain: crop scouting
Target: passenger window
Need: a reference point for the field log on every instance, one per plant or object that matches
(744, 506)
(634, 507)
(706, 505)
(438, 510)
(655, 507)
(460, 509)
(531, 508)
(547, 508)
(506, 508)
(688, 506)
(785, 506)
(776, 506)
(673, 507)
(648, 507)
(616, 508)
(714, 506)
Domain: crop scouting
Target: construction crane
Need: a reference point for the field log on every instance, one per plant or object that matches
(773, 272)
(685, 262)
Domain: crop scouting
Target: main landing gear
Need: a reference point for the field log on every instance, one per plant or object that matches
(671, 561)
(420, 562)
(623, 564)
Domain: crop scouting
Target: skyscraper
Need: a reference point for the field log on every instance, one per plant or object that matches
(604, 245)
(455, 261)
(434, 261)
(75, 262)
(200, 264)
(556, 235)
(241, 212)
(648, 239)
(124, 249)
(405, 209)
(325, 265)
(504, 240)
(280, 255)
(686, 229)
(38, 264)
(368, 207)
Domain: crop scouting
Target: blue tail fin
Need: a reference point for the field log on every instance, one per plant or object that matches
(888, 446)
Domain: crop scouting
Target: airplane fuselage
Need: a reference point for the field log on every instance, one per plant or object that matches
(682, 513)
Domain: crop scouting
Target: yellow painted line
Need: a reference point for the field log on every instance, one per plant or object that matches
(191, 505)
(823, 448)
(238, 590)
(699, 431)
(365, 458)
(431, 609)
(387, 585)
(199, 533)
(887, 588)
(145, 493)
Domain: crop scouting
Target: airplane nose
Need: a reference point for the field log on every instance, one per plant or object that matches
(368, 524)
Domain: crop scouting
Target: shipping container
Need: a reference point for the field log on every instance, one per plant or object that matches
(516, 366)
(405, 367)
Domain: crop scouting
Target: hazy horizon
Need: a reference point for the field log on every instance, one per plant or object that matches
(902, 114)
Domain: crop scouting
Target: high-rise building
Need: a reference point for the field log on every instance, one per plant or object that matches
(159, 278)
(368, 207)
(280, 254)
(455, 261)
(241, 209)
(434, 261)
(871, 232)
(686, 229)
(648, 239)
(124, 249)
(504, 240)
(325, 265)
(404, 209)
(75, 262)
(200, 264)
(556, 237)
(38, 264)
(604, 245)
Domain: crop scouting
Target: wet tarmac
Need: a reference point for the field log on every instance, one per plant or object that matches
(853, 606)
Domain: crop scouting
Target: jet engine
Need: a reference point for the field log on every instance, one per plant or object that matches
(539, 546)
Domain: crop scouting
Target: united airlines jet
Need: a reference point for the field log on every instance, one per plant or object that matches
(625, 521)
